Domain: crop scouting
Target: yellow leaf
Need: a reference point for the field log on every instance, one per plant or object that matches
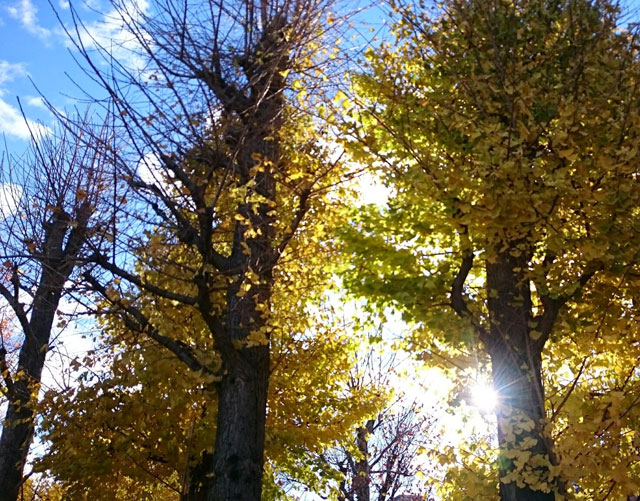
(569, 154)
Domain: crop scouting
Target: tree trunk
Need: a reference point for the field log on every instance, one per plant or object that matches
(18, 426)
(242, 397)
(525, 450)
(362, 470)
(238, 457)
(60, 248)
(234, 471)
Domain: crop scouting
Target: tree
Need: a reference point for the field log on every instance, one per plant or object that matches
(140, 424)
(386, 460)
(380, 455)
(55, 192)
(508, 134)
(232, 170)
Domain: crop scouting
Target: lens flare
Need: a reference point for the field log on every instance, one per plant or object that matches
(484, 396)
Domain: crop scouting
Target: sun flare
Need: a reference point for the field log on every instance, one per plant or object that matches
(484, 396)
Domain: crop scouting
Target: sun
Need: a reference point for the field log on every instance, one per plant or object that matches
(484, 396)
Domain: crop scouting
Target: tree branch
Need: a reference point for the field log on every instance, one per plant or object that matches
(135, 320)
(6, 374)
(185, 231)
(77, 236)
(232, 98)
(457, 296)
(18, 309)
(301, 211)
(458, 302)
(223, 342)
(136, 280)
(552, 306)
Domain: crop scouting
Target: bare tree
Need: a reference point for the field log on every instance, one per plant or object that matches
(51, 198)
(385, 462)
(209, 165)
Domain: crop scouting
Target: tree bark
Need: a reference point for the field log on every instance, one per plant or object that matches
(61, 245)
(238, 457)
(18, 425)
(362, 470)
(525, 450)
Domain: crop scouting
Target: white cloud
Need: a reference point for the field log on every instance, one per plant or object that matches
(37, 102)
(111, 33)
(27, 13)
(150, 170)
(63, 4)
(12, 123)
(10, 195)
(9, 71)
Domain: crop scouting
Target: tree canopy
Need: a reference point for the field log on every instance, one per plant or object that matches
(508, 134)
(214, 233)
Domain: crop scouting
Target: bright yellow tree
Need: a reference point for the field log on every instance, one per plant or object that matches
(211, 152)
(509, 134)
(139, 424)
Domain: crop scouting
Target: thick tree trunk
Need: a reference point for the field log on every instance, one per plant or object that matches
(242, 398)
(18, 425)
(525, 450)
(238, 457)
(234, 471)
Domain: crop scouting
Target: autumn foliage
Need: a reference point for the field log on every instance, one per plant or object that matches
(234, 280)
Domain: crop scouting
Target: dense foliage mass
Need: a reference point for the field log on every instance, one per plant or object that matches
(508, 134)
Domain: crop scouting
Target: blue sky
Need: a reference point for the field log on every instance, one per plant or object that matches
(35, 48)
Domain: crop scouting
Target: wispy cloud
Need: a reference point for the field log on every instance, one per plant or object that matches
(112, 34)
(92, 4)
(36, 102)
(9, 71)
(12, 123)
(27, 13)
